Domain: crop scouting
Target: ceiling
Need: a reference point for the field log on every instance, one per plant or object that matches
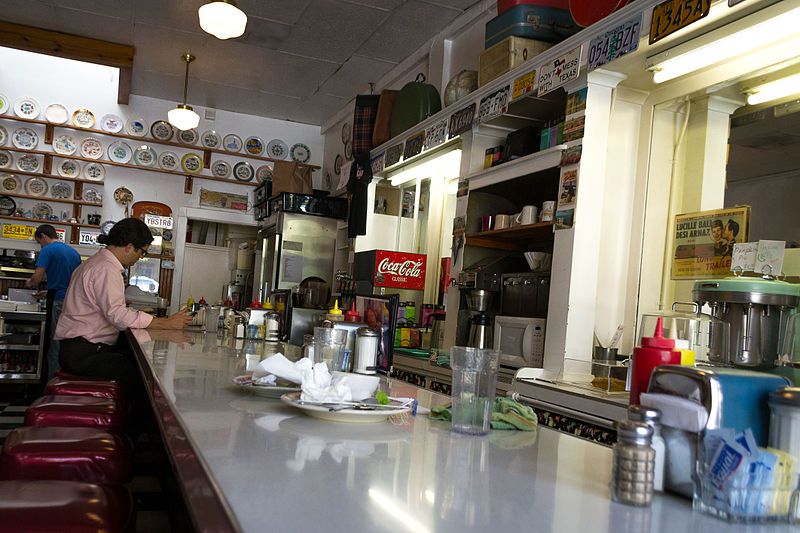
(299, 60)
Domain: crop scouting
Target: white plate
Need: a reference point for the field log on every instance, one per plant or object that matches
(61, 189)
(188, 136)
(91, 148)
(90, 194)
(28, 163)
(56, 113)
(344, 415)
(210, 139)
(136, 127)
(162, 130)
(94, 171)
(243, 171)
(254, 145)
(145, 156)
(263, 173)
(10, 183)
(277, 149)
(27, 107)
(232, 143)
(36, 186)
(6, 159)
(192, 163)
(69, 168)
(3, 104)
(3, 135)
(265, 391)
(25, 138)
(111, 123)
(300, 153)
(169, 161)
(220, 169)
(83, 118)
(120, 152)
(65, 144)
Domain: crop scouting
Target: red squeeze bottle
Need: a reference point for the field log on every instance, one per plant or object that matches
(653, 352)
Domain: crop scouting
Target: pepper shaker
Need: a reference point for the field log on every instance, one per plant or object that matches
(633, 464)
(652, 417)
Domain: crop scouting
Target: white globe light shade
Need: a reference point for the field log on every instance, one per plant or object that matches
(183, 117)
(223, 20)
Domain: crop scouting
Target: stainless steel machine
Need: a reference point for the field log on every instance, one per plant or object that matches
(757, 310)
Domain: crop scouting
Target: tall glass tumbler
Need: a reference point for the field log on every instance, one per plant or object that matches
(330, 347)
(474, 380)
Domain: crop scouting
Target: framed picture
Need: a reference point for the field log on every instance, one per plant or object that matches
(380, 312)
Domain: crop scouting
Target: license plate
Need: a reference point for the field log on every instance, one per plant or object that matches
(673, 15)
(414, 145)
(615, 43)
(436, 134)
(494, 105)
(461, 121)
(524, 84)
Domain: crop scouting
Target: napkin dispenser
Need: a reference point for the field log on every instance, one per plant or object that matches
(732, 398)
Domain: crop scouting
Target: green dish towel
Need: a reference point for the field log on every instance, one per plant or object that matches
(506, 414)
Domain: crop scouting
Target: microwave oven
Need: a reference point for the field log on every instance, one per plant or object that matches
(520, 341)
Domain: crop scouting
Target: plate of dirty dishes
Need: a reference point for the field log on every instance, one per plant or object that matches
(354, 412)
(275, 391)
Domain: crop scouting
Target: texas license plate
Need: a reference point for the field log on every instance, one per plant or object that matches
(673, 15)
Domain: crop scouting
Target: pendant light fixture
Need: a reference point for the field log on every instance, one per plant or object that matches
(183, 116)
(222, 19)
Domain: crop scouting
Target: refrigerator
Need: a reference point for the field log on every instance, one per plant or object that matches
(382, 272)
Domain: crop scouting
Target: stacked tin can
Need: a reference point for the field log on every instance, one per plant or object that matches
(633, 465)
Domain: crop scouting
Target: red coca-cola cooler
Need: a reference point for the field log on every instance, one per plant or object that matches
(385, 272)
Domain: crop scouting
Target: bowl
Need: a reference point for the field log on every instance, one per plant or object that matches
(361, 385)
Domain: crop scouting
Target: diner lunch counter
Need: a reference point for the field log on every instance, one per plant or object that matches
(247, 463)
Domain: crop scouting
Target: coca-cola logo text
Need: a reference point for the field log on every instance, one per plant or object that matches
(408, 268)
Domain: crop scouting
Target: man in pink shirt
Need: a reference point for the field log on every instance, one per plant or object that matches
(95, 311)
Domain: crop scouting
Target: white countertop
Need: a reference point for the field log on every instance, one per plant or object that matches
(277, 469)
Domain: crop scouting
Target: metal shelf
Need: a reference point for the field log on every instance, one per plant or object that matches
(22, 347)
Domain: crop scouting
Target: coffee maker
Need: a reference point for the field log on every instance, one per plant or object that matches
(480, 324)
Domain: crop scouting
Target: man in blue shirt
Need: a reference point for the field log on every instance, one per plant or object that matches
(57, 260)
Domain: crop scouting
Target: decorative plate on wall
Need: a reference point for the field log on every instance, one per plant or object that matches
(61, 189)
(65, 144)
(123, 195)
(144, 156)
(90, 194)
(192, 163)
(169, 161)
(220, 169)
(300, 153)
(69, 168)
(27, 107)
(111, 123)
(3, 136)
(36, 186)
(91, 148)
(83, 118)
(243, 171)
(162, 130)
(263, 173)
(10, 183)
(254, 145)
(25, 138)
(337, 164)
(120, 152)
(28, 163)
(6, 159)
(56, 113)
(347, 132)
(211, 139)
(277, 149)
(136, 127)
(4, 105)
(106, 226)
(94, 171)
(188, 136)
(348, 151)
(232, 143)
(7, 206)
(42, 211)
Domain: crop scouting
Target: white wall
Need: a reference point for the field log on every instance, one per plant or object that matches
(75, 84)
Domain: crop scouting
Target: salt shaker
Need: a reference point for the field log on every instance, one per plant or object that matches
(367, 341)
(652, 417)
(633, 464)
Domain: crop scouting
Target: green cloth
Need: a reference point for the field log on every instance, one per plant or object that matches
(506, 414)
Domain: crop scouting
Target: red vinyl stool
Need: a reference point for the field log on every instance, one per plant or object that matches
(70, 454)
(83, 387)
(65, 506)
(75, 411)
(65, 375)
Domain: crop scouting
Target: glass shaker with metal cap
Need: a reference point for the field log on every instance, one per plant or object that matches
(367, 340)
(652, 417)
(633, 464)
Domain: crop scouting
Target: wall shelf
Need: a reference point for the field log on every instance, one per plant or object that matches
(53, 222)
(49, 176)
(530, 164)
(51, 199)
(516, 238)
(149, 140)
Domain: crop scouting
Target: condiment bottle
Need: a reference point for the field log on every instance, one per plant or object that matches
(351, 315)
(335, 313)
(272, 323)
(633, 464)
(189, 303)
(652, 417)
(203, 301)
(654, 351)
(366, 357)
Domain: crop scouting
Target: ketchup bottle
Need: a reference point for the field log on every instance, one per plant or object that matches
(654, 351)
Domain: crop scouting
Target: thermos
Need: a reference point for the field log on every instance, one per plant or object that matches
(654, 351)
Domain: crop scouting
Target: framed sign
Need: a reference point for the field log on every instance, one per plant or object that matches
(704, 242)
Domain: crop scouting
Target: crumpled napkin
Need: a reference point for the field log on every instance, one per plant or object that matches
(278, 365)
(318, 386)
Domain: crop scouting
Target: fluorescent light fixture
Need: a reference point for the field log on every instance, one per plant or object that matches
(183, 116)
(391, 508)
(774, 90)
(761, 29)
(447, 165)
(222, 19)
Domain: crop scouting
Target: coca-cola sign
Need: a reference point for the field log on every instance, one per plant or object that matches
(400, 270)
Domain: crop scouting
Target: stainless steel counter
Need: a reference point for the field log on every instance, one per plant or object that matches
(254, 464)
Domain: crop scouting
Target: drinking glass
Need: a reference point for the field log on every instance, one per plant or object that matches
(330, 347)
(474, 380)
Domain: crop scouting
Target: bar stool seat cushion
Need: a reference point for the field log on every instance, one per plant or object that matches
(75, 411)
(66, 375)
(81, 387)
(71, 454)
(64, 506)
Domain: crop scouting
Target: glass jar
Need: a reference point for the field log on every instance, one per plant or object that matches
(633, 464)
(652, 417)
(308, 346)
(366, 349)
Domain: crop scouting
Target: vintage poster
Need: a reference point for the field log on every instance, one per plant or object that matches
(567, 197)
(704, 242)
(224, 200)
